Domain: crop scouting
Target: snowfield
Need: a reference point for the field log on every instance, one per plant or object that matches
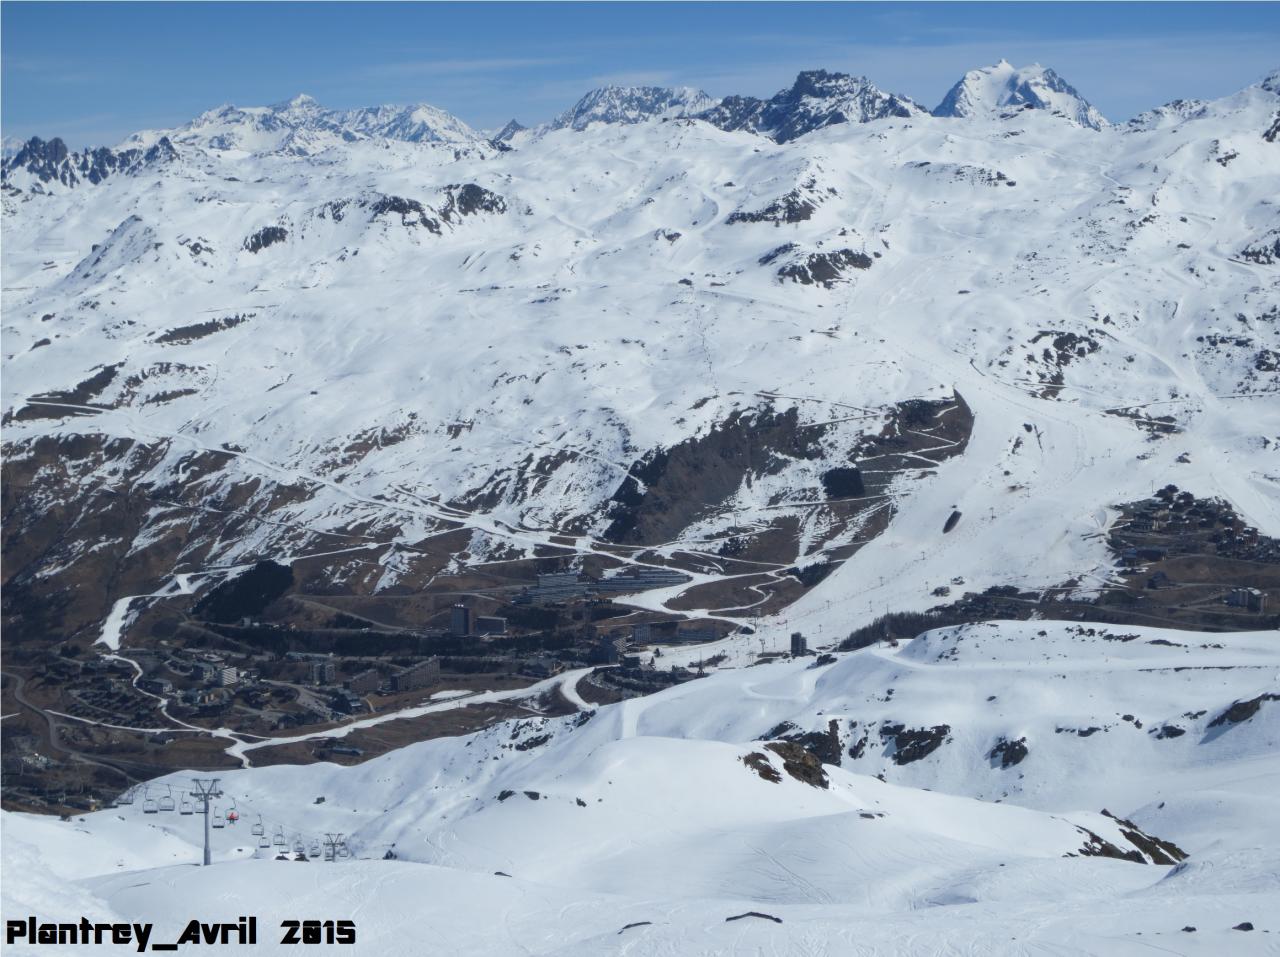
(550, 836)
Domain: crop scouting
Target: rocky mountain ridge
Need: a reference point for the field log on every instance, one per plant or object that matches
(816, 99)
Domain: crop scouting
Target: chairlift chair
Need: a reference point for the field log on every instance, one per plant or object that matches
(278, 840)
(186, 807)
(149, 803)
(315, 848)
(167, 803)
(299, 847)
(126, 798)
(218, 819)
(259, 829)
(343, 851)
(263, 842)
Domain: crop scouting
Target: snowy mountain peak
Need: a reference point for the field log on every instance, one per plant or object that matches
(816, 99)
(511, 129)
(301, 126)
(1004, 86)
(299, 102)
(631, 104)
(1271, 82)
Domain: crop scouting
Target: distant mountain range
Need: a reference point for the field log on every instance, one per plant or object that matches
(816, 99)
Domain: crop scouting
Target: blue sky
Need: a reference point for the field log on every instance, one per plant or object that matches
(92, 73)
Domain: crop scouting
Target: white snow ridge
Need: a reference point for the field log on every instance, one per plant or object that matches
(983, 402)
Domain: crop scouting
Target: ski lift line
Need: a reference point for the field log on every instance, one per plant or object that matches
(220, 819)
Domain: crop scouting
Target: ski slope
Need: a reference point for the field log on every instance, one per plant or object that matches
(550, 836)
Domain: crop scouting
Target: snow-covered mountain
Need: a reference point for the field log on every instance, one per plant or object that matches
(46, 165)
(816, 99)
(659, 308)
(1004, 87)
(631, 104)
(302, 126)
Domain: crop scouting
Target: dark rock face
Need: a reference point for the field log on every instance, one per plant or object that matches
(58, 402)
(794, 206)
(824, 269)
(264, 237)
(247, 594)
(773, 255)
(398, 205)
(1151, 849)
(843, 482)
(1242, 710)
(410, 211)
(51, 161)
(912, 744)
(669, 488)
(800, 763)
(469, 199)
(759, 763)
(859, 747)
(811, 575)
(511, 129)
(1264, 252)
(1008, 753)
(823, 745)
(816, 99)
(1272, 133)
(198, 330)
